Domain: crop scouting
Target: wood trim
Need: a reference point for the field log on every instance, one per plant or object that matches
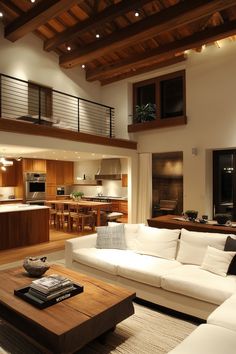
(165, 20)
(32, 129)
(158, 123)
(37, 16)
(93, 22)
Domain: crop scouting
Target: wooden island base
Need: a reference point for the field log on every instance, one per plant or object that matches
(24, 227)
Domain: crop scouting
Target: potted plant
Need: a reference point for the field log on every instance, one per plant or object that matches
(191, 214)
(76, 195)
(222, 218)
(145, 113)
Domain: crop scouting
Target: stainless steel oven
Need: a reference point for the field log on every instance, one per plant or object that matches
(35, 186)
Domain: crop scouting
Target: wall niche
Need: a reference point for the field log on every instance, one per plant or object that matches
(167, 180)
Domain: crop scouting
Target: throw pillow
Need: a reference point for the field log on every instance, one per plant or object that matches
(131, 233)
(193, 245)
(217, 261)
(230, 245)
(157, 242)
(111, 237)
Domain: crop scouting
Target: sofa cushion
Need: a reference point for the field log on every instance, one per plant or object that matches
(225, 314)
(193, 245)
(207, 339)
(131, 233)
(217, 261)
(103, 259)
(191, 280)
(111, 237)
(230, 245)
(157, 242)
(145, 269)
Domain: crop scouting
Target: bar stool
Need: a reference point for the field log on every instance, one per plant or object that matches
(80, 218)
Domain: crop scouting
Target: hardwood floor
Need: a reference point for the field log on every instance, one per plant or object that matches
(56, 243)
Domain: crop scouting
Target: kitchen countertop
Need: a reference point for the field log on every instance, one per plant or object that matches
(20, 207)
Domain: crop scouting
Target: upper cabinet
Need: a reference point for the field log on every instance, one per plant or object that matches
(124, 180)
(64, 172)
(34, 165)
(8, 178)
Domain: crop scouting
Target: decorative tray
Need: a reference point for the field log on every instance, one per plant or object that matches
(24, 294)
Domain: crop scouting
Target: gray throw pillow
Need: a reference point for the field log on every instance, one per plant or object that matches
(111, 237)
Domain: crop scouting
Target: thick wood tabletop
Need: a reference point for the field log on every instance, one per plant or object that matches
(69, 325)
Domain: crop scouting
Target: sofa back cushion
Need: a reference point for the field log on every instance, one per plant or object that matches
(193, 245)
(131, 234)
(157, 242)
(217, 261)
(111, 237)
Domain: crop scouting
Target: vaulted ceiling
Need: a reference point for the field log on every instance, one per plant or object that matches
(128, 44)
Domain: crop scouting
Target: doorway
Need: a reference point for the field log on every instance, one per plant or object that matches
(224, 183)
(167, 181)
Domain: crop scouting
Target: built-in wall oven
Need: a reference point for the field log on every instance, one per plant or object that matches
(35, 187)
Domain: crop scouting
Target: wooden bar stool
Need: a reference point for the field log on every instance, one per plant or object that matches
(80, 218)
(62, 216)
(52, 213)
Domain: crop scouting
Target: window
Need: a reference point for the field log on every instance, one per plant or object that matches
(160, 99)
(39, 100)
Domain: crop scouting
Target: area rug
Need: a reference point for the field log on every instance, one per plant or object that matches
(148, 331)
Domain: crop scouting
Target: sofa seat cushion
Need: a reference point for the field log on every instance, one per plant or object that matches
(105, 260)
(145, 269)
(207, 339)
(191, 280)
(225, 314)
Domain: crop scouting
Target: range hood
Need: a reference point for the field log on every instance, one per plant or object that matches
(109, 169)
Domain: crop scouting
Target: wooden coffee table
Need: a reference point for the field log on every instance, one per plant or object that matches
(72, 323)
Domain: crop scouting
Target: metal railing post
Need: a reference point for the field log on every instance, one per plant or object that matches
(0, 95)
(39, 104)
(110, 122)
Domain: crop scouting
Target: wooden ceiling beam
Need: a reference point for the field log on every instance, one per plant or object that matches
(165, 20)
(93, 22)
(138, 71)
(35, 17)
(194, 41)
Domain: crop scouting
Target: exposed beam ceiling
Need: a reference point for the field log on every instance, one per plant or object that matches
(128, 45)
(168, 19)
(36, 17)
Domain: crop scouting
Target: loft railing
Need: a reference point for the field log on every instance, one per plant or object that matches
(29, 102)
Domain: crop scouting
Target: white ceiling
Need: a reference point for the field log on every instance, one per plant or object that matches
(13, 151)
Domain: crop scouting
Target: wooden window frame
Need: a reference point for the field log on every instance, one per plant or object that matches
(159, 122)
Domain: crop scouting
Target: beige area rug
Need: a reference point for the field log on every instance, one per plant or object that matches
(146, 332)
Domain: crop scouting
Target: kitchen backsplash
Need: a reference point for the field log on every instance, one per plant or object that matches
(111, 188)
(6, 191)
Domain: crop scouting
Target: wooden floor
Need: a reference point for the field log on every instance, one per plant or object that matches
(56, 243)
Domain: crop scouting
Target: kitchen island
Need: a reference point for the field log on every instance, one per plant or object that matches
(23, 225)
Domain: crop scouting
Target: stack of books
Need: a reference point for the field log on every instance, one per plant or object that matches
(50, 287)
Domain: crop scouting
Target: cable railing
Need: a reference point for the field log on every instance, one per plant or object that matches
(32, 103)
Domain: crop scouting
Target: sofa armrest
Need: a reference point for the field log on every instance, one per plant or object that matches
(71, 245)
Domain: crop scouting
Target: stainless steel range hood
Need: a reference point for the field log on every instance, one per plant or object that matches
(109, 169)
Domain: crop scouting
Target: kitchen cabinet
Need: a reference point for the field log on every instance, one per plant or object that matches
(124, 180)
(8, 178)
(64, 172)
(34, 165)
(51, 172)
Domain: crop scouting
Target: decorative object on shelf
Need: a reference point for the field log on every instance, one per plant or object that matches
(191, 214)
(222, 219)
(145, 113)
(36, 266)
(76, 195)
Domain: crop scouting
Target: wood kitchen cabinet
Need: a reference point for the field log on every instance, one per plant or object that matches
(64, 172)
(8, 178)
(34, 165)
(124, 180)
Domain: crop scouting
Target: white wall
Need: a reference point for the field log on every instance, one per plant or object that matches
(211, 114)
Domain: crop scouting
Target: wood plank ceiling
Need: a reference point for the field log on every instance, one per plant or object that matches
(128, 44)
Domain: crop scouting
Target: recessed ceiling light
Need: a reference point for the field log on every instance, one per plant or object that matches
(32, 1)
(1, 14)
(83, 66)
(97, 35)
(136, 14)
(68, 48)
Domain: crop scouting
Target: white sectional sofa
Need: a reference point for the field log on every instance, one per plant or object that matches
(186, 274)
